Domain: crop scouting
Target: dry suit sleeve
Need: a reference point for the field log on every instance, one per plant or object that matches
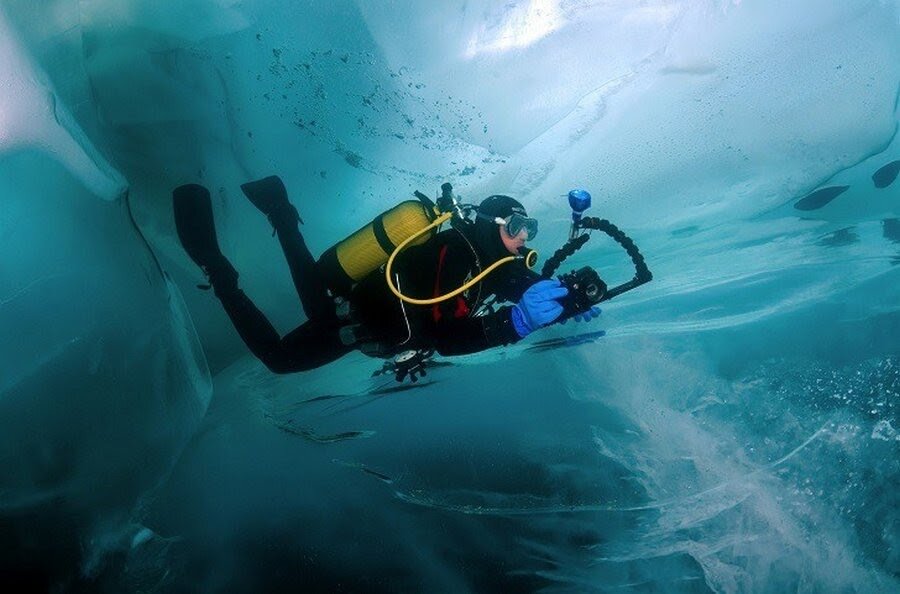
(461, 336)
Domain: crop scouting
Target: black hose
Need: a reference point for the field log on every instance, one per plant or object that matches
(570, 247)
(642, 273)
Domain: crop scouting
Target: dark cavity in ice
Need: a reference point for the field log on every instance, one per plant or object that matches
(886, 175)
(820, 198)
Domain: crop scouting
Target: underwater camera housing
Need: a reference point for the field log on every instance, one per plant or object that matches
(586, 289)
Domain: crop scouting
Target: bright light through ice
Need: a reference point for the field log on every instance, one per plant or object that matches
(523, 26)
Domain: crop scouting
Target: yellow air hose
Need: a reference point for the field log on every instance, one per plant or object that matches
(530, 259)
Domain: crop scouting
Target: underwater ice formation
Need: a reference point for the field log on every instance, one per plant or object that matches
(697, 124)
(102, 380)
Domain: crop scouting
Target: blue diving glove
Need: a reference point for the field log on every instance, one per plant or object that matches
(585, 316)
(538, 306)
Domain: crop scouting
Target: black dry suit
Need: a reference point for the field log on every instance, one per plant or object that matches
(439, 266)
(383, 325)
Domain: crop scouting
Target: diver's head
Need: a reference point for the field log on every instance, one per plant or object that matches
(513, 243)
(502, 227)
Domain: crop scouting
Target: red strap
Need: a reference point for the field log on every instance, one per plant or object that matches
(462, 308)
(435, 309)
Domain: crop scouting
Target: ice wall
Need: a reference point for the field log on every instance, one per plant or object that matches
(101, 378)
(33, 117)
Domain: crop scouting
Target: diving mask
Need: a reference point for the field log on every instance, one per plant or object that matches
(514, 224)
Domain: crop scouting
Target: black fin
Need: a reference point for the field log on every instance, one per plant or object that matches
(195, 225)
(270, 196)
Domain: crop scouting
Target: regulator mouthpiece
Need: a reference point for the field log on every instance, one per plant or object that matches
(530, 257)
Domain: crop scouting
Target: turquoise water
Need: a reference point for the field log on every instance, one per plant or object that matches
(735, 429)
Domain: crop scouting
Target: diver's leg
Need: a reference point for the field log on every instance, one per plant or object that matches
(270, 196)
(313, 293)
(311, 345)
(197, 232)
(251, 324)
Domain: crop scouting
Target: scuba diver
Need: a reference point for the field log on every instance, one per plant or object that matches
(352, 297)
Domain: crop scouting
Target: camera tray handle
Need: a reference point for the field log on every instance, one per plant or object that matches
(642, 273)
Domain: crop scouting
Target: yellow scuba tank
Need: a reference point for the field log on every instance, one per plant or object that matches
(349, 261)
